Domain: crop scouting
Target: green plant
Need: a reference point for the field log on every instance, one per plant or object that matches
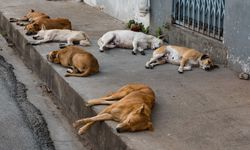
(158, 32)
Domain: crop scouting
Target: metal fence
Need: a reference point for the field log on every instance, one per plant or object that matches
(203, 16)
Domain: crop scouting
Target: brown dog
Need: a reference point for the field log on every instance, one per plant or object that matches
(31, 16)
(80, 62)
(131, 107)
(48, 23)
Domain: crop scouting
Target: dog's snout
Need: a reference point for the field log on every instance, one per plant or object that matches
(207, 68)
(34, 37)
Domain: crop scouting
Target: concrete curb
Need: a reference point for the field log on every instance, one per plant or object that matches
(102, 135)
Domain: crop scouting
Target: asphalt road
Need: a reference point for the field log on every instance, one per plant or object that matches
(22, 125)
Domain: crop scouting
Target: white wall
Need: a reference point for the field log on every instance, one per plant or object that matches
(123, 10)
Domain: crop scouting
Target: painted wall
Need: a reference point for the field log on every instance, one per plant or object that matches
(237, 34)
(124, 10)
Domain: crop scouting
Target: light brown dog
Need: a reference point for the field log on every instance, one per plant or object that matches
(185, 57)
(31, 16)
(131, 106)
(48, 23)
(80, 62)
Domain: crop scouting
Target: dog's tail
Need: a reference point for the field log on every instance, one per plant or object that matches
(86, 73)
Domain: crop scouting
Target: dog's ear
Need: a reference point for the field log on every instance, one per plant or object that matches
(43, 27)
(141, 109)
(32, 10)
(204, 56)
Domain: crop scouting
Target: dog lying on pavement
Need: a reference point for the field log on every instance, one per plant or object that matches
(62, 35)
(185, 57)
(31, 16)
(130, 40)
(48, 23)
(131, 106)
(80, 62)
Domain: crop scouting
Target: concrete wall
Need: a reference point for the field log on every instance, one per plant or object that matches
(237, 34)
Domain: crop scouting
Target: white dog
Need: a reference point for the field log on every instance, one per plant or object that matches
(63, 35)
(129, 39)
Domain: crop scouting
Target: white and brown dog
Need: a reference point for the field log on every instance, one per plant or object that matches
(63, 35)
(130, 40)
(185, 57)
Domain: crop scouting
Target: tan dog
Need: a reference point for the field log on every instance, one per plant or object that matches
(80, 62)
(131, 106)
(48, 23)
(31, 16)
(185, 57)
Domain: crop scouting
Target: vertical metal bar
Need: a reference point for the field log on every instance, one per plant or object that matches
(193, 14)
(179, 12)
(198, 17)
(204, 15)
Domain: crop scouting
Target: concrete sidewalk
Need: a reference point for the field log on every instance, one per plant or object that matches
(194, 111)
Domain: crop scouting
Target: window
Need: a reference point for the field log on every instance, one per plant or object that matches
(203, 16)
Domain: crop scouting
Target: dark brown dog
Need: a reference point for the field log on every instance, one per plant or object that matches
(131, 106)
(48, 23)
(80, 62)
(31, 16)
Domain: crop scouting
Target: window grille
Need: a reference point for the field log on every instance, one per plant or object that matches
(203, 16)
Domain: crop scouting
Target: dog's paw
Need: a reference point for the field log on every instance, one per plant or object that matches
(180, 72)
(149, 67)
(142, 53)
(13, 20)
(32, 43)
(134, 53)
(62, 45)
(88, 105)
(244, 76)
(69, 71)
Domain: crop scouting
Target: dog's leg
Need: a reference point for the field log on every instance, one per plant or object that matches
(182, 64)
(159, 62)
(141, 50)
(149, 64)
(105, 40)
(135, 44)
(89, 121)
(99, 102)
(46, 39)
(187, 68)
(85, 42)
(113, 97)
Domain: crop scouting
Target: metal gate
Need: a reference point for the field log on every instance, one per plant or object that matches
(203, 16)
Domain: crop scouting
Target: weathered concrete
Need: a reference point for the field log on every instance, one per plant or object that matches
(195, 110)
(61, 133)
(22, 125)
(237, 34)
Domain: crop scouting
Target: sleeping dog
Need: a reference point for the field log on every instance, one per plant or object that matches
(129, 39)
(131, 106)
(49, 23)
(31, 16)
(62, 35)
(80, 62)
(185, 57)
